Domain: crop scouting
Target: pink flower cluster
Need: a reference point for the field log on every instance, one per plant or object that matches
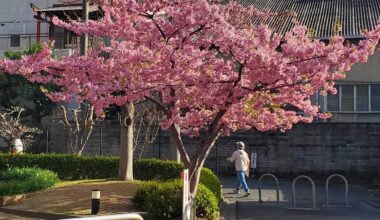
(202, 62)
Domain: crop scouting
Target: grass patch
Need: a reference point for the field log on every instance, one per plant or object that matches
(17, 181)
(76, 182)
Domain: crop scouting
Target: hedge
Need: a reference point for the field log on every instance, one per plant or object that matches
(163, 200)
(72, 167)
(154, 169)
(67, 166)
(23, 180)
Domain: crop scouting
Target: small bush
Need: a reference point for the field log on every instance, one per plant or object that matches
(212, 182)
(207, 203)
(24, 180)
(164, 200)
(140, 198)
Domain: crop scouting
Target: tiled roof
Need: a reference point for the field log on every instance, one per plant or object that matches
(324, 17)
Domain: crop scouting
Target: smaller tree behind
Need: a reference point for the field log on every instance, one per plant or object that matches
(146, 126)
(79, 125)
(12, 128)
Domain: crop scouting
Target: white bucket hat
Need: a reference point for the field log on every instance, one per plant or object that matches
(240, 145)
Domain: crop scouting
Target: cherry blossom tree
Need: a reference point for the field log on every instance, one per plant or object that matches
(207, 66)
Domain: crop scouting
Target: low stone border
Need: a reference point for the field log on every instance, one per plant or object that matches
(8, 200)
(38, 215)
(374, 203)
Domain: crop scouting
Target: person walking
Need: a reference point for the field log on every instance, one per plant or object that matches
(241, 160)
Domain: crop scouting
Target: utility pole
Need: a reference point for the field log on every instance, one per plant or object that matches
(84, 37)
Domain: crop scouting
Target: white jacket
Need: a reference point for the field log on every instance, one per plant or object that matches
(241, 159)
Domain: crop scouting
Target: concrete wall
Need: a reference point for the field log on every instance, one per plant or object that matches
(319, 148)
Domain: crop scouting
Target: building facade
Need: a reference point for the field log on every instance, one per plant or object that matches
(18, 26)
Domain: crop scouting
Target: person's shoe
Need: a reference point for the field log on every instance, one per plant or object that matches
(236, 191)
(247, 194)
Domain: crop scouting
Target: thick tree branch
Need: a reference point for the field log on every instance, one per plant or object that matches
(64, 120)
(175, 32)
(159, 105)
(199, 29)
(180, 146)
(151, 17)
(308, 59)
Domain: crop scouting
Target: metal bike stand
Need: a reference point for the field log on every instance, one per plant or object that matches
(312, 191)
(277, 188)
(346, 189)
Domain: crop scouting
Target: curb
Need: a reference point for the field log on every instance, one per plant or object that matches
(9, 200)
(31, 214)
(376, 206)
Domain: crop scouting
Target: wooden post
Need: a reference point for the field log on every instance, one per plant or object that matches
(84, 38)
(38, 38)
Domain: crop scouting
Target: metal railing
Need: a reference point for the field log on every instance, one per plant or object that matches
(314, 205)
(346, 188)
(130, 216)
(277, 187)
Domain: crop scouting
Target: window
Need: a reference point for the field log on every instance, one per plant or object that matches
(321, 102)
(375, 97)
(351, 98)
(362, 98)
(15, 40)
(347, 97)
(333, 101)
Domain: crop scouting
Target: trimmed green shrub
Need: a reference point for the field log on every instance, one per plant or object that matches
(164, 200)
(67, 166)
(207, 203)
(212, 182)
(23, 180)
(154, 169)
(140, 198)
(72, 167)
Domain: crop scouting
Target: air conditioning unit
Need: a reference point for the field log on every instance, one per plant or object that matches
(59, 53)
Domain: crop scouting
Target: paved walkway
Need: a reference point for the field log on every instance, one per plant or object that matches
(240, 207)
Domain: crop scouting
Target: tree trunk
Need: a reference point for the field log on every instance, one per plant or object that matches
(173, 153)
(196, 165)
(195, 173)
(126, 142)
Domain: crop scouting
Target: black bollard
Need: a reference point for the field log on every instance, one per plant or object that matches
(95, 201)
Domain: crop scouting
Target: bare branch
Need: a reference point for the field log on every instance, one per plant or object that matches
(82, 122)
(12, 128)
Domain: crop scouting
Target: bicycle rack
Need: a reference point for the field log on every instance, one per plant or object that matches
(346, 188)
(277, 189)
(312, 191)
